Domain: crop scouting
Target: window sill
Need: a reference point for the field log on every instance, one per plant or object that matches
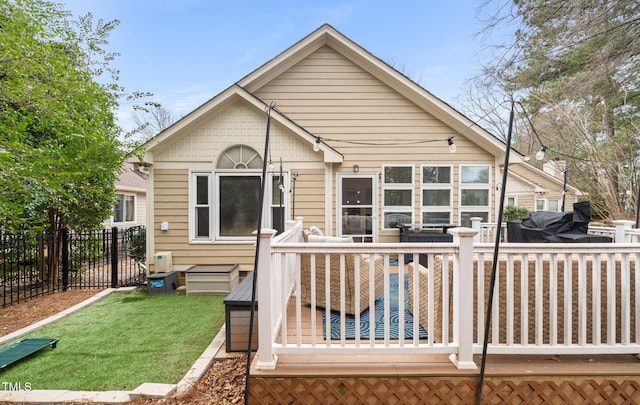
(223, 242)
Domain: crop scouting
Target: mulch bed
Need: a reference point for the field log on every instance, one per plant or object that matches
(18, 316)
(222, 383)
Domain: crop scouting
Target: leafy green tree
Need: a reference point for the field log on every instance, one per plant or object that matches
(60, 151)
(577, 64)
(513, 213)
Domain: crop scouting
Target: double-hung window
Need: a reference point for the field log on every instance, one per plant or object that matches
(475, 181)
(436, 200)
(397, 194)
(125, 208)
(543, 204)
(201, 202)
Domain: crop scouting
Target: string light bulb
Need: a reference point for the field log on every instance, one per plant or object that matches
(270, 165)
(316, 145)
(281, 178)
(452, 145)
(540, 154)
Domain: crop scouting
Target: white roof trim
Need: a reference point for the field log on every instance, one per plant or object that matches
(330, 154)
(327, 35)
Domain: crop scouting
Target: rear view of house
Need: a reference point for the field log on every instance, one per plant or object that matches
(356, 148)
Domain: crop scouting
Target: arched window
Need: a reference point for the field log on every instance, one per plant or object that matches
(240, 157)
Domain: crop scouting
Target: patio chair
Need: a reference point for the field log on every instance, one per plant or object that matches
(423, 277)
(500, 295)
(350, 261)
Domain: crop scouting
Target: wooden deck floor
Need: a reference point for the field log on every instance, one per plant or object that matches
(437, 364)
(434, 379)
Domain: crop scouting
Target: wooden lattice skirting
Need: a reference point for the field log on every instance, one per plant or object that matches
(449, 390)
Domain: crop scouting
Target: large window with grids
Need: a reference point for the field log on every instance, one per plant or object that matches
(224, 203)
(475, 181)
(397, 195)
(436, 194)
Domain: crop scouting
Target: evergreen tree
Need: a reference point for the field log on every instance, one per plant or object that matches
(577, 63)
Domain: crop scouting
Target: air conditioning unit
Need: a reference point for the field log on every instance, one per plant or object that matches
(163, 262)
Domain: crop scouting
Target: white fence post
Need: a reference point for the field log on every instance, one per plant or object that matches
(463, 298)
(266, 358)
(621, 230)
(475, 224)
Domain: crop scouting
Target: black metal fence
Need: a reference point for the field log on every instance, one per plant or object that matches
(35, 264)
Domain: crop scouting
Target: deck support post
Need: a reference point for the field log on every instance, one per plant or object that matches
(475, 224)
(266, 358)
(621, 227)
(463, 298)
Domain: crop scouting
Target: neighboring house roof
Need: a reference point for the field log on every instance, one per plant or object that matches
(131, 180)
(542, 173)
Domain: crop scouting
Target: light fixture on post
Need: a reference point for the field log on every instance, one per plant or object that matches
(281, 182)
(316, 145)
(540, 154)
(452, 145)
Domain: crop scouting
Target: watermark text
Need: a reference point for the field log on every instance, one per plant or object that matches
(15, 386)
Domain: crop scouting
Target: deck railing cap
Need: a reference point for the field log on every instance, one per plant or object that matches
(463, 232)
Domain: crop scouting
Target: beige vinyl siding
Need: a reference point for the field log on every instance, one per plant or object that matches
(141, 208)
(365, 114)
(310, 199)
(200, 149)
(333, 98)
(330, 94)
(171, 205)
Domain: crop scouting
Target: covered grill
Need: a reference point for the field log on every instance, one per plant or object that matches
(555, 227)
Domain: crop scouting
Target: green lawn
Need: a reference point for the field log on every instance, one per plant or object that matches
(123, 341)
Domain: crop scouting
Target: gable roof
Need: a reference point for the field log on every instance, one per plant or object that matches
(230, 94)
(326, 35)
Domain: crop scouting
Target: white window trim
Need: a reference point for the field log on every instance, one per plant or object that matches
(267, 219)
(214, 213)
(124, 214)
(474, 186)
(436, 186)
(546, 204)
(374, 203)
(192, 206)
(398, 186)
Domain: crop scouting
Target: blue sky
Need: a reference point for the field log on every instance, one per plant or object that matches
(187, 51)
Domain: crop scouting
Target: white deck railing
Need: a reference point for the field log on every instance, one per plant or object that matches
(622, 232)
(549, 298)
